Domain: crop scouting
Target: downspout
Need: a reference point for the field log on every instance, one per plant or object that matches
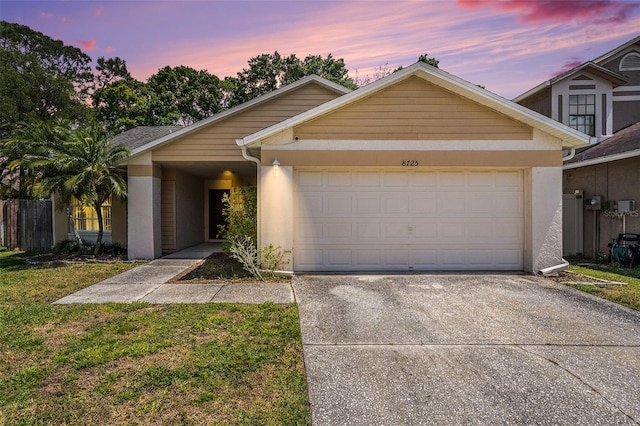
(572, 154)
(256, 160)
(553, 269)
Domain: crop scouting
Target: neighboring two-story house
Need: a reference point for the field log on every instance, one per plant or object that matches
(600, 98)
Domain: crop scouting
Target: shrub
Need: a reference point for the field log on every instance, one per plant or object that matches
(240, 232)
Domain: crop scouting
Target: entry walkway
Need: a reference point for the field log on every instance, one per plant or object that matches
(150, 283)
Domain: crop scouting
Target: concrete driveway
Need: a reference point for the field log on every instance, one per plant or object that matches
(466, 349)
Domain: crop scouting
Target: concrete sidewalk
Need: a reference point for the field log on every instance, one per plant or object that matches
(150, 283)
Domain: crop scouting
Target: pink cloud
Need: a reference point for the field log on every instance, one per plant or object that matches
(592, 11)
(109, 49)
(87, 44)
(569, 64)
(98, 11)
(45, 15)
(64, 19)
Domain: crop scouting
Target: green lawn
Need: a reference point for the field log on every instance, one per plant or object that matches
(140, 363)
(628, 295)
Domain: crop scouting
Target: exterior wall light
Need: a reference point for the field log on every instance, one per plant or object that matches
(275, 162)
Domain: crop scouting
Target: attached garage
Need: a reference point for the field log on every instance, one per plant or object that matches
(418, 171)
(393, 219)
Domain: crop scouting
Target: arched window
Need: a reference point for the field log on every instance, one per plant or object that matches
(631, 62)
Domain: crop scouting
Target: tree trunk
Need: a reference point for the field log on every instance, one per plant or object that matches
(98, 208)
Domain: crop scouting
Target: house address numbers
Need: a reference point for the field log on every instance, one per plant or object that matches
(410, 163)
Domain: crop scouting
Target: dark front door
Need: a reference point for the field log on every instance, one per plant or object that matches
(215, 212)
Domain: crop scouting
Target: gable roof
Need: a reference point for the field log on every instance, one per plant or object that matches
(142, 135)
(618, 50)
(590, 67)
(570, 138)
(623, 144)
(183, 131)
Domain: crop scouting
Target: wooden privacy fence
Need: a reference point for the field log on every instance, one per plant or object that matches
(26, 225)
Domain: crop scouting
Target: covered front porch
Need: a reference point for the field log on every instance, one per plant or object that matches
(177, 204)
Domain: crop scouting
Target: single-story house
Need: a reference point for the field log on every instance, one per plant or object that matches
(419, 170)
(607, 173)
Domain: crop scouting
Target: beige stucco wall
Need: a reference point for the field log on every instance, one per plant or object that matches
(614, 181)
(543, 218)
(276, 208)
(143, 225)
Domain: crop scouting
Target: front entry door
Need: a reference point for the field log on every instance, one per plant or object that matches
(215, 212)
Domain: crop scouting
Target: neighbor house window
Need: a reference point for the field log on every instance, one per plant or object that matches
(582, 113)
(85, 218)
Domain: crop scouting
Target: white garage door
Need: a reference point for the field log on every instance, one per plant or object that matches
(363, 220)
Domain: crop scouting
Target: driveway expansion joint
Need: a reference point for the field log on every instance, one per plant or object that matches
(580, 379)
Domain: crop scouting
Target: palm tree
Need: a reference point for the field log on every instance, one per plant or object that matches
(81, 163)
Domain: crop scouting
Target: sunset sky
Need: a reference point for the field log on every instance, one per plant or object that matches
(508, 46)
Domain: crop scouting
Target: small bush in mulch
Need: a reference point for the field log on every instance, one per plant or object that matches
(220, 267)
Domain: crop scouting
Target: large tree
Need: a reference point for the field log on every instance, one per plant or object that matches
(267, 72)
(73, 162)
(189, 94)
(40, 77)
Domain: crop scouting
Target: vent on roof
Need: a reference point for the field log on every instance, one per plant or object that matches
(630, 62)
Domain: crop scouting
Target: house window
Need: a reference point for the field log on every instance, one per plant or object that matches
(85, 218)
(582, 113)
(631, 62)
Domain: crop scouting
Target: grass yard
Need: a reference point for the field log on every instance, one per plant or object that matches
(140, 364)
(628, 295)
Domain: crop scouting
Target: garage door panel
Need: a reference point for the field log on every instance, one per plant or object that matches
(395, 257)
(368, 231)
(425, 258)
(396, 205)
(338, 231)
(368, 258)
(408, 220)
(338, 179)
(395, 230)
(482, 179)
(452, 180)
(338, 257)
(424, 204)
(428, 180)
(337, 205)
(367, 179)
(307, 180)
(395, 180)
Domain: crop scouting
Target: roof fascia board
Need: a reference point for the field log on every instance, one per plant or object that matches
(239, 108)
(617, 50)
(448, 82)
(617, 79)
(605, 159)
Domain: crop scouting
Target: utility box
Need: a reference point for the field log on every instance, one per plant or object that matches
(625, 206)
(593, 203)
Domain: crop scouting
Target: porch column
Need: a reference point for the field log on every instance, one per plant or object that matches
(143, 224)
